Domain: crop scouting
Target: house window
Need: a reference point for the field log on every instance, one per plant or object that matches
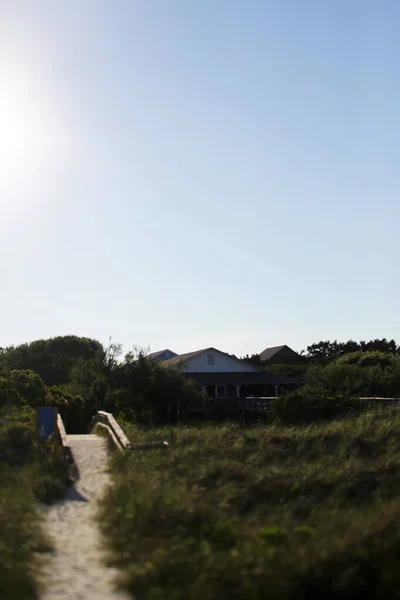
(210, 359)
(220, 391)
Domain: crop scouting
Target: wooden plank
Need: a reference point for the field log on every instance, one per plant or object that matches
(111, 434)
(61, 431)
(108, 420)
(151, 446)
(63, 438)
(118, 431)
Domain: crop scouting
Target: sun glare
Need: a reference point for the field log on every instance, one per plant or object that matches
(32, 135)
(23, 137)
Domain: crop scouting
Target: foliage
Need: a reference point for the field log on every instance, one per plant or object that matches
(230, 513)
(359, 374)
(147, 388)
(253, 359)
(31, 472)
(323, 353)
(8, 395)
(51, 359)
(312, 404)
(89, 378)
(297, 371)
(28, 386)
(100, 380)
(71, 407)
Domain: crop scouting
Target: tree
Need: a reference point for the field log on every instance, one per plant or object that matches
(253, 359)
(359, 374)
(29, 386)
(52, 359)
(380, 345)
(147, 387)
(287, 370)
(8, 394)
(323, 353)
(326, 352)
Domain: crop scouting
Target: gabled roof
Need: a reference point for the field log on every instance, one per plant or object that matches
(181, 358)
(177, 360)
(155, 354)
(270, 352)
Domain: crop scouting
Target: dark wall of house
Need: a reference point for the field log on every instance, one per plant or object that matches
(286, 356)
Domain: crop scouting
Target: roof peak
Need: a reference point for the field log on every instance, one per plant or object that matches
(181, 358)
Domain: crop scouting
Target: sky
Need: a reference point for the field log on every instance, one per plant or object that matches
(207, 173)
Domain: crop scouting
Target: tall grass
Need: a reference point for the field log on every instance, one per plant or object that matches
(30, 473)
(267, 512)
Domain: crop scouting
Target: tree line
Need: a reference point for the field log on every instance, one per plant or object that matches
(80, 376)
(325, 352)
(334, 375)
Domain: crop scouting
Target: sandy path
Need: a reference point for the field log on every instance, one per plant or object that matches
(75, 570)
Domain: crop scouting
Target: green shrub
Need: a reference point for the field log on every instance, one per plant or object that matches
(31, 472)
(29, 386)
(270, 512)
(20, 537)
(307, 405)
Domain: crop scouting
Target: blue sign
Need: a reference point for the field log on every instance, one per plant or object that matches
(46, 419)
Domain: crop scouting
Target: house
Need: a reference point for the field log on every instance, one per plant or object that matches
(280, 355)
(223, 375)
(162, 355)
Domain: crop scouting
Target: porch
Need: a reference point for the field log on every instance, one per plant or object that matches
(240, 392)
(230, 391)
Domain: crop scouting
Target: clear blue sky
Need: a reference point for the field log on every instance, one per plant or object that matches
(200, 173)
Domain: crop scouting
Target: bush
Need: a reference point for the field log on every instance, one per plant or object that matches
(71, 408)
(153, 393)
(270, 512)
(29, 387)
(359, 374)
(307, 405)
(30, 472)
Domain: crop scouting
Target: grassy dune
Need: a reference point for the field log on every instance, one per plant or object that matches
(29, 473)
(267, 512)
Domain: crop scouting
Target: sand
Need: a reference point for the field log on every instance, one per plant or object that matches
(76, 570)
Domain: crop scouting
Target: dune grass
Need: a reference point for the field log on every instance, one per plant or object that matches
(30, 473)
(265, 512)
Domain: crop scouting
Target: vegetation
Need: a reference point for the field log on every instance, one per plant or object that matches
(79, 377)
(232, 512)
(30, 472)
(270, 511)
(51, 359)
(359, 374)
(348, 369)
(326, 352)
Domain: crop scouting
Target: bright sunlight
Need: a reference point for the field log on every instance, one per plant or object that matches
(24, 137)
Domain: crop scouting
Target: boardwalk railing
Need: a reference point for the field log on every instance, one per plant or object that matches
(107, 422)
(265, 404)
(255, 404)
(63, 439)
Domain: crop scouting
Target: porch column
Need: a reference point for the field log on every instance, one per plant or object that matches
(238, 386)
(276, 386)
